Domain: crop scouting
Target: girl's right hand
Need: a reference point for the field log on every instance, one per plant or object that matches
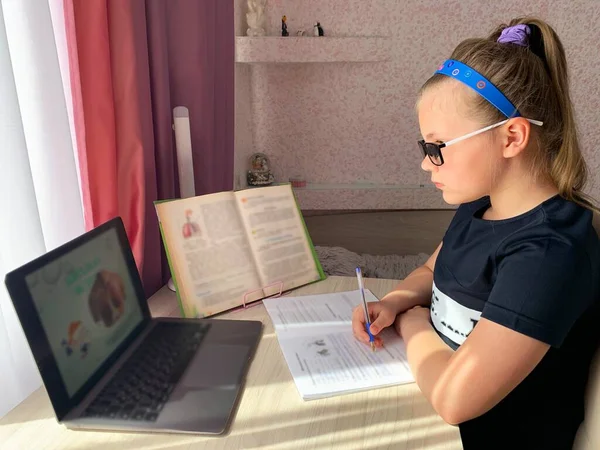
(381, 314)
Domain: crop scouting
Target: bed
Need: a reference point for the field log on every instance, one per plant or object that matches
(385, 243)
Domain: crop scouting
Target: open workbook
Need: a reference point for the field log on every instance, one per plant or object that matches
(315, 336)
(231, 248)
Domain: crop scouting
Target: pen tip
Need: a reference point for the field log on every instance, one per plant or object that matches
(372, 347)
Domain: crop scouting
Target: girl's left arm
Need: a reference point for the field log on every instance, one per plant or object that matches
(464, 384)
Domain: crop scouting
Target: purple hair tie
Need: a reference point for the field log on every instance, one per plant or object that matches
(517, 34)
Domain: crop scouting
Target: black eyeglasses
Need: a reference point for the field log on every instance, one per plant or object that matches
(434, 150)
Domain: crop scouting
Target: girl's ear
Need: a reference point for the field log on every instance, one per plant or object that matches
(515, 136)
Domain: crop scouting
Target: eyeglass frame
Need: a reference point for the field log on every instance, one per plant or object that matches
(437, 148)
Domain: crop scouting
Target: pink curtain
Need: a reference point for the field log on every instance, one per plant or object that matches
(110, 143)
(131, 63)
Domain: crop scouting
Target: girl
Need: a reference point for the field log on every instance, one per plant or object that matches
(499, 323)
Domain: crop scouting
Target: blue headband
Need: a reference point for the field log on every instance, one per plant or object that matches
(480, 84)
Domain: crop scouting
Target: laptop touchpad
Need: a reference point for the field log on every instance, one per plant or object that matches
(217, 366)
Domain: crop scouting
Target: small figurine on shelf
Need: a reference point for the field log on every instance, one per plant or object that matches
(316, 29)
(301, 32)
(320, 29)
(284, 30)
(255, 17)
(260, 173)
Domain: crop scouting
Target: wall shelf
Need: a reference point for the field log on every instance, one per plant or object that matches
(293, 49)
(362, 186)
(319, 197)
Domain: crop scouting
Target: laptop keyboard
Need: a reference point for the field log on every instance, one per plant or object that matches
(140, 389)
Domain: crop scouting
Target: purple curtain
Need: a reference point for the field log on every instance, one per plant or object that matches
(190, 50)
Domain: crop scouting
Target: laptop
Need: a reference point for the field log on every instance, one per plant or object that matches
(106, 363)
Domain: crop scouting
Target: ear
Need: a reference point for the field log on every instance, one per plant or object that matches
(516, 137)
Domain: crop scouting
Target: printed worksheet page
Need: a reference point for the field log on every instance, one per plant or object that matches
(315, 336)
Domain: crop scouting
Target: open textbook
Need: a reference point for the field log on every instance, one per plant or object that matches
(315, 336)
(231, 248)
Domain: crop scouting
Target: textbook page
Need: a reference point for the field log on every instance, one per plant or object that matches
(209, 253)
(324, 358)
(277, 237)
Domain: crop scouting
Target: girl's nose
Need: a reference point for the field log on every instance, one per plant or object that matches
(428, 166)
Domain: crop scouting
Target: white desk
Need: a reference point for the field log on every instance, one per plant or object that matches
(271, 413)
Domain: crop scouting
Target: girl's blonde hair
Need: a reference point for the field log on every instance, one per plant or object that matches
(538, 86)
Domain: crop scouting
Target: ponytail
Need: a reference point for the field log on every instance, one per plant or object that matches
(568, 169)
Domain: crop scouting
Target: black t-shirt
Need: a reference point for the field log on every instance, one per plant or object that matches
(538, 274)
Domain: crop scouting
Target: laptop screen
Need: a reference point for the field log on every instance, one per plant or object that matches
(87, 306)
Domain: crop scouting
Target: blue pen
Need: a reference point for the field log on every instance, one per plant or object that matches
(366, 310)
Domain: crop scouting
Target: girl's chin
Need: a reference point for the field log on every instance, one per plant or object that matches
(453, 198)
